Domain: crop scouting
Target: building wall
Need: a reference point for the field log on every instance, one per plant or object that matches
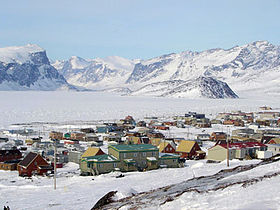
(170, 163)
(274, 149)
(105, 167)
(8, 167)
(151, 165)
(74, 156)
(218, 153)
(240, 153)
(139, 157)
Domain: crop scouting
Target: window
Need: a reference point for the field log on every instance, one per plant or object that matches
(153, 154)
(135, 154)
(144, 154)
(124, 155)
(115, 165)
(100, 165)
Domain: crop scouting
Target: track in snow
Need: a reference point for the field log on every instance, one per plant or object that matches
(201, 184)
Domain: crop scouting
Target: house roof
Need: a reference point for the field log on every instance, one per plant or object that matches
(243, 145)
(186, 146)
(101, 158)
(276, 140)
(134, 147)
(91, 151)
(168, 156)
(28, 159)
(164, 144)
(10, 152)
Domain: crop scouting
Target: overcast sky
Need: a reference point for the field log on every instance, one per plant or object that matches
(136, 28)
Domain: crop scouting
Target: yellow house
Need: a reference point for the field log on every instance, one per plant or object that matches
(92, 151)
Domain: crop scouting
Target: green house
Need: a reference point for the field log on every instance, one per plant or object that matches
(99, 164)
(135, 156)
(169, 160)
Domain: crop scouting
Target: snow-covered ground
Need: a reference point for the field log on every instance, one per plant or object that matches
(260, 195)
(60, 106)
(78, 192)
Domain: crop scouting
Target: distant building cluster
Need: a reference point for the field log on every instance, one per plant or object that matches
(130, 145)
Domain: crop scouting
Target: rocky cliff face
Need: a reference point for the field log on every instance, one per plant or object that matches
(28, 68)
(202, 87)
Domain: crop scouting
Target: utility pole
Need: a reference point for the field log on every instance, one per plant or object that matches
(228, 149)
(54, 165)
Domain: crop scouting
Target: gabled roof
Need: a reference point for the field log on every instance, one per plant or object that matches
(28, 159)
(186, 146)
(164, 144)
(276, 140)
(91, 151)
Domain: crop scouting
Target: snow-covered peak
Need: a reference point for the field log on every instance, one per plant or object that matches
(19, 54)
(117, 62)
(58, 64)
(78, 62)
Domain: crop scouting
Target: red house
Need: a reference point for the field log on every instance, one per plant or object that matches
(10, 155)
(33, 163)
(167, 147)
(190, 150)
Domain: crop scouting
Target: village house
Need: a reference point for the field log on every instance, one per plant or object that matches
(168, 160)
(237, 150)
(218, 136)
(267, 115)
(219, 153)
(99, 164)
(56, 135)
(128, 158)
(33, 163)
(6, 155)
(190, 150)
(167, 147)
(87, 130)
(156, 141)
(9, 165)
(78, 136)
(203, 137)
(274, 148)
(237, 122)
(75, 156)
(91, 137)
(92, 151)
(274, 141)
(138, 153)
(237, 115)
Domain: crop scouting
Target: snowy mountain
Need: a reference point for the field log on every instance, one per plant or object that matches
(28, 68)
(96, 73)
(248, 68)
(243, 68)
(202, 87)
